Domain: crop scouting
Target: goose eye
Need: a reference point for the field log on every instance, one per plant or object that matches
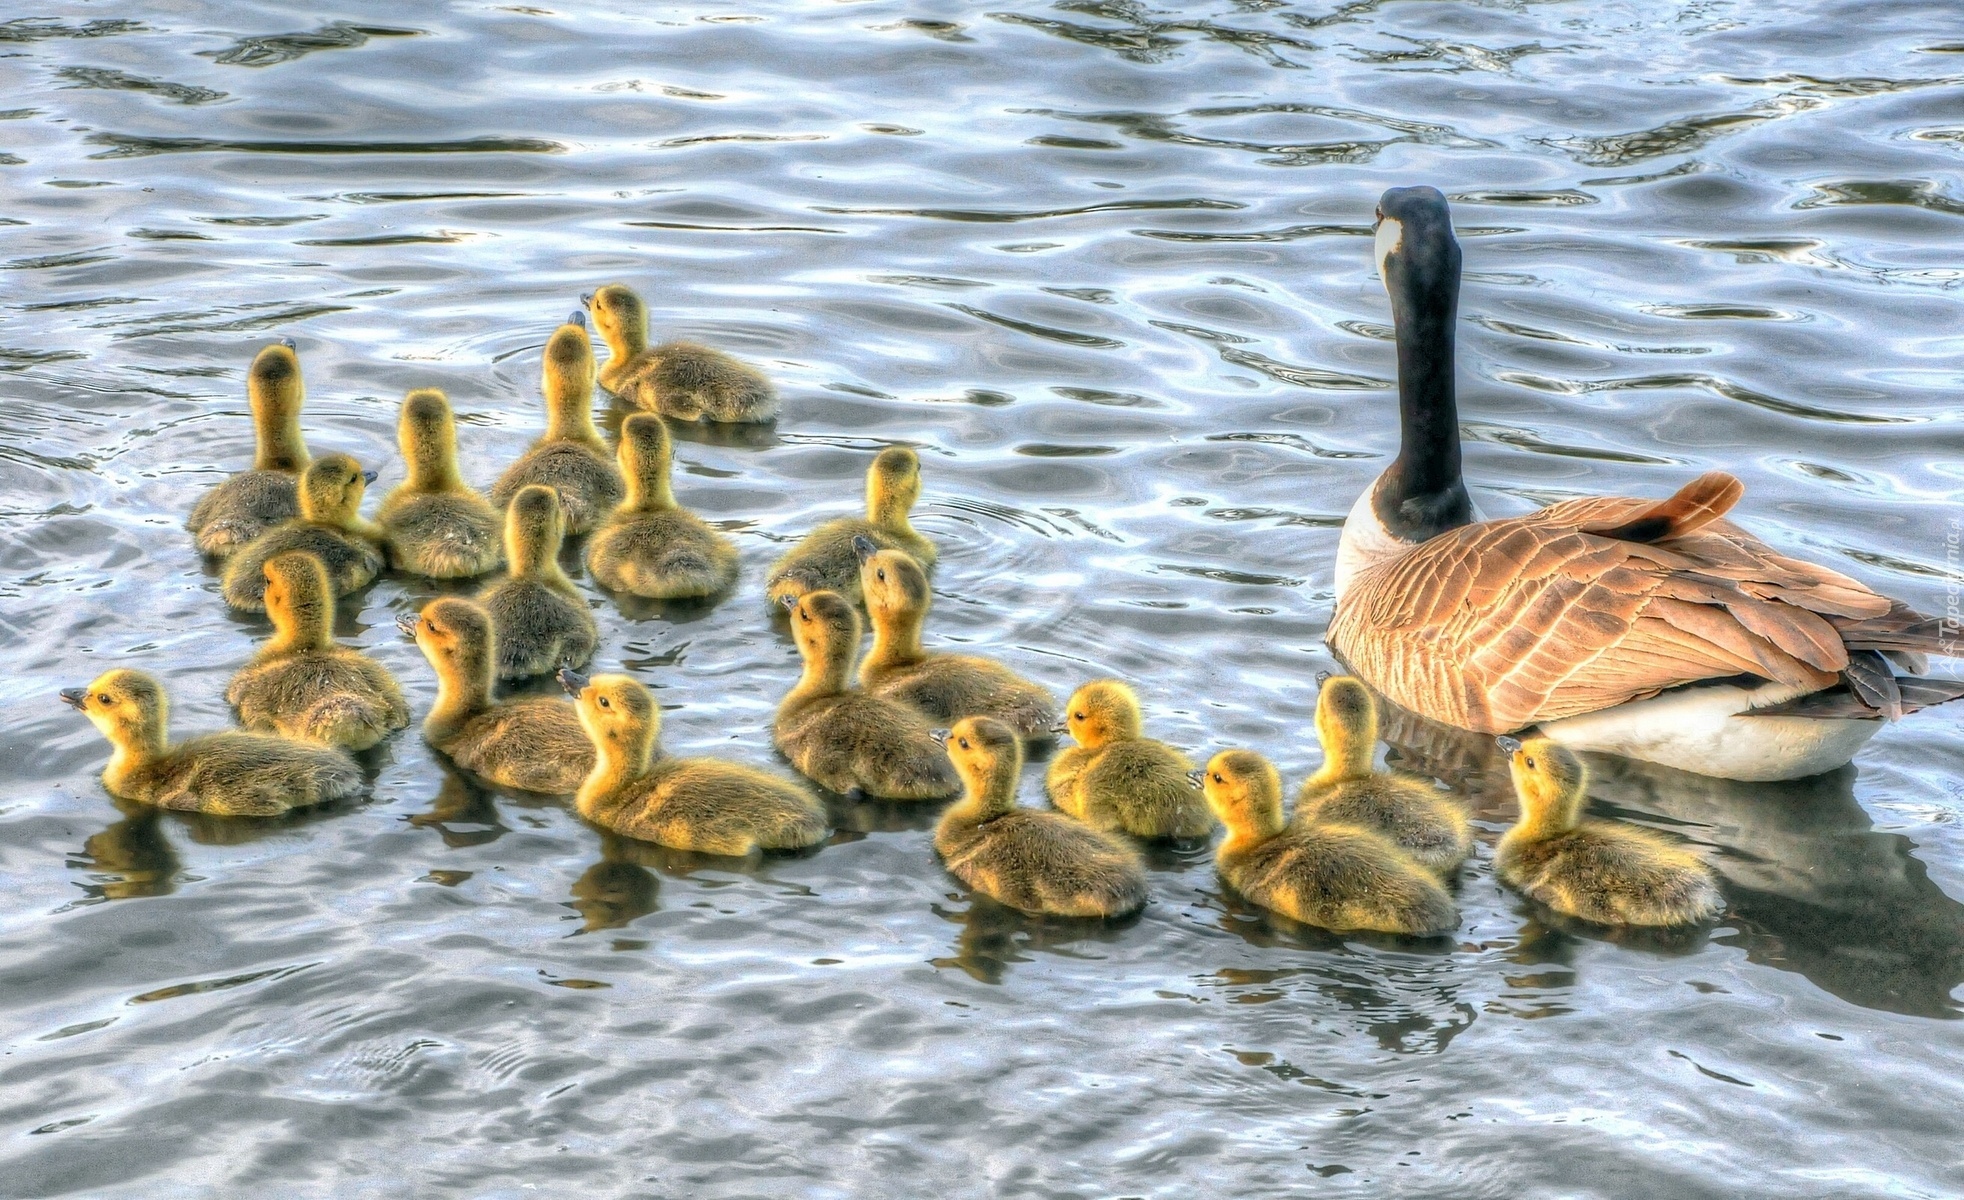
(1077, 716)
(883, 575)
(104, 698)
(1530, 762)
(604, 703)
(1217, 778)
(964, 743)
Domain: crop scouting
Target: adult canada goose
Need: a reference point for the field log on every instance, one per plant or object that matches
(231, 515)
(1653, 629)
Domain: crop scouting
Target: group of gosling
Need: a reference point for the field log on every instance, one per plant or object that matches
(1364, 850)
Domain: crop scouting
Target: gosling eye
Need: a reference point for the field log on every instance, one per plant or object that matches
(1529, 762)
(1217, 778)
(964, 743)
(883, 575)
(605, 703)
(104, 698)
(1077, 716)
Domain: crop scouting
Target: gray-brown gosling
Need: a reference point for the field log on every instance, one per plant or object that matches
(231, 515)
(651, 546)
(826, 561)
(942, 687)
(1602, 872)
(1418, 818)
(676, 379)
(1117, 778)
(231, 774)
(701, 804)
(1035, 861)
(570, 459)
(303, 684)
(330, 527)
(534, 745)
(843, 738)
(1338, 877)
(435, 523)
(537, 616)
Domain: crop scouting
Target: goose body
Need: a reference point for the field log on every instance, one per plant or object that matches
(228, 517)
(539, 622)
(570, 459)
(329, 527)
(436, 524)
(1410, 813)
(1116, 778)
(304, 685)
(676, 379)
(825, 560)
(535, 745)
(702, 804)
(1035, 861)
(228, 774)
(651, 546)
(1655, 629)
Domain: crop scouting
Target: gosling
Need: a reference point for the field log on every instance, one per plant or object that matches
(231, 515)
(1116, 778)
(302, 684)
(676, 379)
(1602, 872)
(652, 546)
(534, 745)
(436, 524)
(228, 774)
(1338, 877)
(846, 740)
(826, 561)
(942, 687)
(1413, 814)
(1035, 861)
(570, 459)
(329, 527)
(700, 804)
(538, 620)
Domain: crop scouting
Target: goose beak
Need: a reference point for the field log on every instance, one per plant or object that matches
(573, 681)
(406, 622)
(578, 318)
(1197, 776)
(1508, 745)
(789, 602)
(75, 697)
(940, 735)
(863, 546)
(368, 477)
(289, 343)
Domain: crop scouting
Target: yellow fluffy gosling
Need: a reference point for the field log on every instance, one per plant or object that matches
(676, 379)
(231, 515)
(825, 559)
(538, 618)
(651, 546)
(329, 527)
(570, 459)
(435, 523)
(1117, 778)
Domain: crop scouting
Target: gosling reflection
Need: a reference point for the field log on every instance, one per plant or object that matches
(994, 936)
(129, 859)
(616, 890)
(462, 813)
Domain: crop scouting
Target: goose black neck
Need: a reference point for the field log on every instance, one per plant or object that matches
(1421, 493)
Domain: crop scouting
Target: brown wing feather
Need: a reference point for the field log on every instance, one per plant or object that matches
(1496, 626)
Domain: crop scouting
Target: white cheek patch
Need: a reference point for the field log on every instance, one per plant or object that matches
(1390, 236)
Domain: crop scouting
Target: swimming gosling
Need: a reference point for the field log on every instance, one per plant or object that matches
(1418, 818)
(436, 525)
(303, 684)
(825, 559)
(539, 621)
(229, 774)
(232, 514)
(1596, 870)
(942, 687)
(534, 745)
(1117, 778)
(651, 546)
(701, 804)
(1339, 877)
(676, 379)
(845, 739)
(1035, 861)
(570, 459)
(329, 527)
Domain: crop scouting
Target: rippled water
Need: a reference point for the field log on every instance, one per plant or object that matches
(1108, 267)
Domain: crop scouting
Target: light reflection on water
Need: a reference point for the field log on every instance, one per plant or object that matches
(1107, 268)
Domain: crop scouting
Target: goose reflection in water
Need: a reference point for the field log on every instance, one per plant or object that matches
(463, 813)
(625, 884)
(994, 936)
(128, 859)
(1813, 887)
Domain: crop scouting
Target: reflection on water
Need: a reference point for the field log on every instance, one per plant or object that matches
(1107, 268)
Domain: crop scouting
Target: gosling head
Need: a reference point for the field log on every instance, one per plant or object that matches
(275, 392)
(1347, 723)
(893, 583)
(824, 625)
(332, 488)
(1244, 791)
(893, 484)
(127, 706)
(1549, 781)
(535, 527)
(568, 366)
(299, 600)
(1417, 255)
(619, 714)
(619, 315)
(645, 446)
(427, 434)
(1101, 712)
(988, 757)
(455, 635)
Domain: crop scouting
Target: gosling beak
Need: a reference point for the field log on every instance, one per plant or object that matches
(1322, 677)
(1510, 745)
(289, 343)
(578, 318)
(863, 546)
(1197, 776)
(939, 735)
(586, 299)
(74, 697)
(1061, 728)
(788, 601)
(572, 681)
(406, 622)
(368, 477)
